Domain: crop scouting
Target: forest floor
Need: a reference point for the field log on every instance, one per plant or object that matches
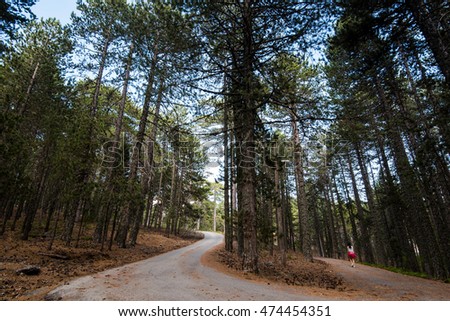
(329, 279)
(297, 272)
(332, 279)
(63, 264)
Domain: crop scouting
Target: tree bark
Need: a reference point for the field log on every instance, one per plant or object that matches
(131, 209)
(104, 216)
(245, 121)
(428, 20)
(302, 203)
(375, 216)
(148, 177)
(349, 205)
(281, 231)
(29, 89)
(365, 236)
(419, 219)
(98, 81)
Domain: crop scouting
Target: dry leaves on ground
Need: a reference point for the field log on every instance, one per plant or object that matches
(297, 271)
(62, 263)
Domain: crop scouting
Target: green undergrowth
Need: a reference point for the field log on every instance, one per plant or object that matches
(401, 271)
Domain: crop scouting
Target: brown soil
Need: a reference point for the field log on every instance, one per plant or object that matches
(72, 262)
(327, 278)
(308, 278)
(297, 271)
(331, 279)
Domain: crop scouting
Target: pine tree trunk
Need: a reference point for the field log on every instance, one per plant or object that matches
(349, 205)
(227, 211)
(85, 172)
(8, 213)
(147, 181)
(441, 111)
(29, 89)
(33, 203)
(245, 121)
(334, 247)
(418, 217)
(104, 215)
(173, 207)
(158, 212)
(281, 232)
(131, 209)
(435, 173)
(289, 215)
(399, 241)
(98, 81)
(234, 203)
(375, 215)
(428, 20)
(365, 236)
(340, 211)
(302, 203)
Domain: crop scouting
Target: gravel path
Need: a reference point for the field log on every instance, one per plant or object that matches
(177, 275)
(368, 283)
(180, 275)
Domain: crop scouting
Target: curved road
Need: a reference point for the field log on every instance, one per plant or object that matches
(369, 283)
(176, 275)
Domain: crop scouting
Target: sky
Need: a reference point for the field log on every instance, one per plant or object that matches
(59, 9)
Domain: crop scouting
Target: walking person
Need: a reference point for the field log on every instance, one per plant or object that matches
(351, 254)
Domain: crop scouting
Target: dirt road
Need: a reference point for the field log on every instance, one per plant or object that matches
(180, 275)
(368, 283)
(177, 275)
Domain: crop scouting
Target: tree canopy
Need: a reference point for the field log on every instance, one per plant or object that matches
(331, 120)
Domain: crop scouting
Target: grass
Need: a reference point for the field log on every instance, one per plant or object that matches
(400, 271)
(406, 272)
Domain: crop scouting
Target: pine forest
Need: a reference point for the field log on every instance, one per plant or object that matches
(288, 126)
